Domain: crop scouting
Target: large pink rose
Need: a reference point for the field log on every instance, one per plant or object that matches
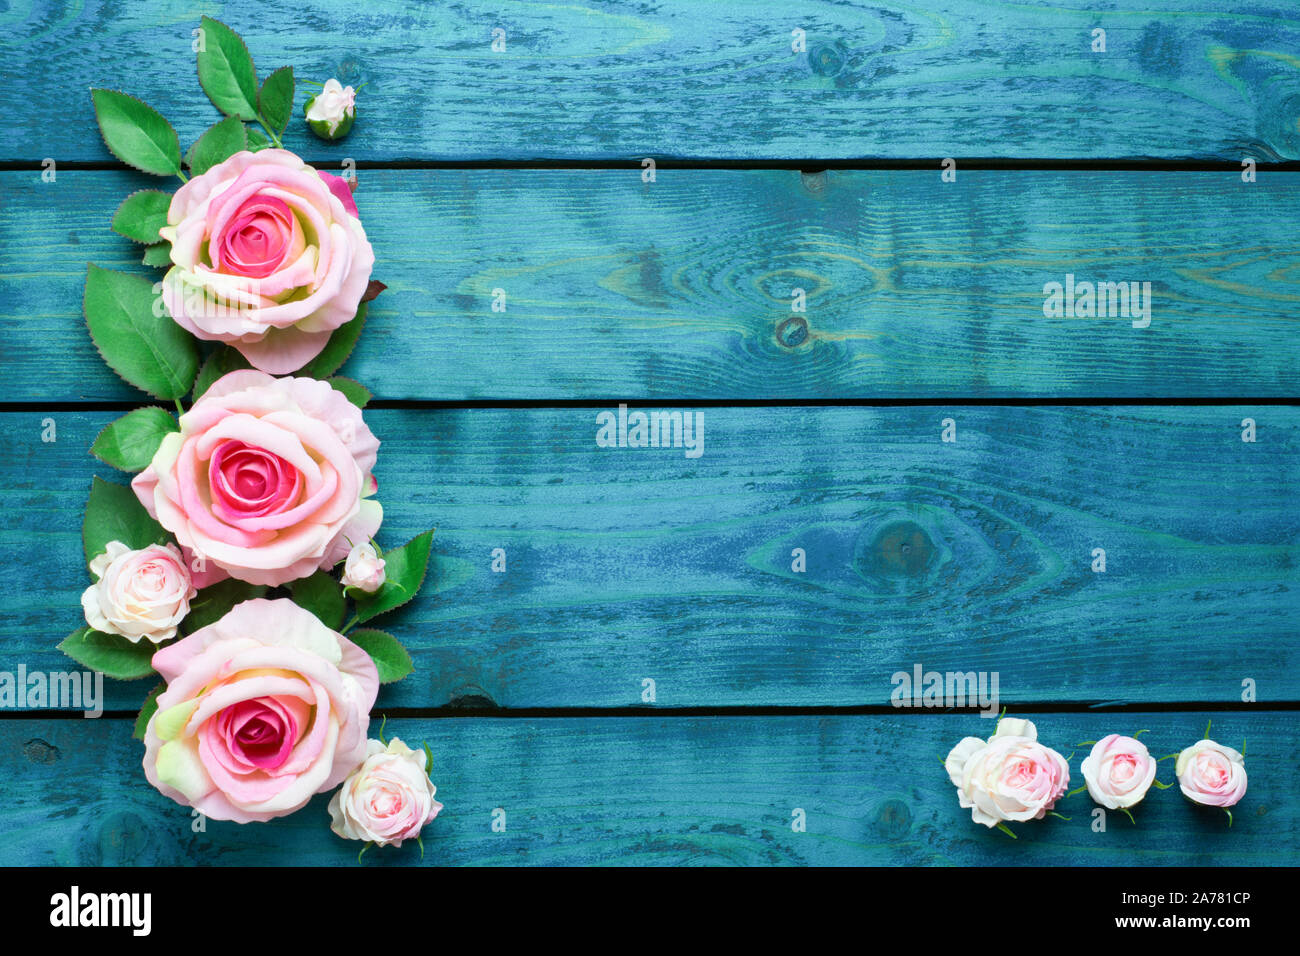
(263, 709)
(267, 480)
(1011, 776)
(269, 256)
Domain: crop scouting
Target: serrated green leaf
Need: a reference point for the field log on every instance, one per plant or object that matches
(159, 254)
(390, 657)
(148, 350)
(337, 349)
(136, 133)
(218, 143)
(212, 603)
(147, 710)
(320, 594)
(219, 364)
(142, 214)
(257, 141)
(130, 442)
(404, 570)
(110, 654)
(352, 390)
(226, 71)
(114, 513)
(275, 99)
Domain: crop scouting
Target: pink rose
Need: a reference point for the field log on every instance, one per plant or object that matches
(139, 594)
(1008, 777)
(267, 478)
(1211, 774)
(1118, 771)
(268, 255)
(386, 800)
(263, 709)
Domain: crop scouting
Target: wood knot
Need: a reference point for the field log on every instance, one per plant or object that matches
(471, 697)
(349, 72)
(38, 751)
(793, 332)
(896, 553)
(893, 820)
(814, 181)
(825, 59)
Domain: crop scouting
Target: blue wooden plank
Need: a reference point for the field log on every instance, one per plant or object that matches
(628, 564)
(690, 78)
(626, 791)
(614, 288)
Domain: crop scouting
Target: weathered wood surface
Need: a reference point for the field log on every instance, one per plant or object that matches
(626, 564)
(1179, 78)
(699, 790)
(681, 289)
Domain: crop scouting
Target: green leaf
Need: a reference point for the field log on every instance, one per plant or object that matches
(226, 71)
(110, 654)
(130, 442)
(352, 390)
(218, 143)
(404, 569)
(158, 254)
(275, 99)
(219, 364)
(212, 603)
(142, 214)
(137, 134)
(146, 348)
(390, 657)
(257, 141)
(321, 595)
(337, 349)
(147, 710)
(114, 513)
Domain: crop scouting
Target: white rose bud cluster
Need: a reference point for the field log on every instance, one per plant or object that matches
(386, 800)
(138, 594)
(364, 569)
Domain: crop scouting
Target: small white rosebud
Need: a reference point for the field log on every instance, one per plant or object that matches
(331, 111)
(364, 569)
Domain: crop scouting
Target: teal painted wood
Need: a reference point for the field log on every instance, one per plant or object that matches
(627, 791)
(682, 288)
(690, 78)
(626, 564)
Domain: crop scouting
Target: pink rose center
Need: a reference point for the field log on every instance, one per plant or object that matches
(1019, 774)
(150, 579)
(1212, 771)
(255, 241)
(260, 732)
(250, 482)
(1122, 768)
(385, 804)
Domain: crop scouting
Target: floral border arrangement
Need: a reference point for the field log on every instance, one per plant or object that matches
(229, 564)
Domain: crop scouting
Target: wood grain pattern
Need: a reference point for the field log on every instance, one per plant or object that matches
(625, 564)
(688, 78)
(625, 791)
(681, 288)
